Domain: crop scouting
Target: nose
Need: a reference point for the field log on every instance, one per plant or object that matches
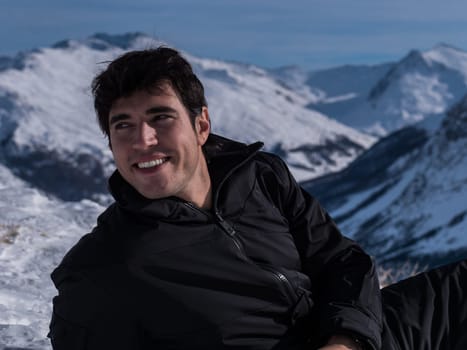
(146, 136)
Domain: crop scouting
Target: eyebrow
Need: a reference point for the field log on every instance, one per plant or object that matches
(118, 117)
(153, 110)
(160, 109)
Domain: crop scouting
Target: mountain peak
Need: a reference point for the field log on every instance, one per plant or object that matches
(446, 46)
(447, 55)
(414, 61)
(104, 41)
(123, 41)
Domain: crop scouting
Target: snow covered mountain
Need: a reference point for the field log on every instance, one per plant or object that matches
(49, 137)
(406, 197)
(382, 98)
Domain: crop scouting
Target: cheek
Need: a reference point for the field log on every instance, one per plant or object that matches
(118, 154)
(116, 145)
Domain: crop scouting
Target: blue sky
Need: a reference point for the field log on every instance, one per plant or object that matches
(309, 33)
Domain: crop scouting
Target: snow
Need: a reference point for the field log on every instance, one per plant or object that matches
(30, 246)
(429, 96)
(379, 206)
(449, 57)
(354, 201)
(340, 98)
(282, 122)
(68, 93)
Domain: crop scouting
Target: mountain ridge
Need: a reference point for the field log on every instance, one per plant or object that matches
(383, 98)
(408, 202)
(47, 98)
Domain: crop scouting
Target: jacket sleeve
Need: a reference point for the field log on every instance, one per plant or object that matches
(345, 285)
(86, 315)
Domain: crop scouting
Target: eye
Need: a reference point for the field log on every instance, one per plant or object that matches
(121, 125)
(161, 118)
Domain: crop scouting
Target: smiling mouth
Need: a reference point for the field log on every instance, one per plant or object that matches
(151, 163)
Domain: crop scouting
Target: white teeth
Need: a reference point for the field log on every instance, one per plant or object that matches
(151, 163)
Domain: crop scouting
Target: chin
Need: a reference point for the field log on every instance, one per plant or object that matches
(151, 194)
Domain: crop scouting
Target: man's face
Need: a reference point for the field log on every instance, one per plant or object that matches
(155, 146)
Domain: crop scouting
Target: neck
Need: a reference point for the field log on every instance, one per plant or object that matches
(207, 202)
(203, 194)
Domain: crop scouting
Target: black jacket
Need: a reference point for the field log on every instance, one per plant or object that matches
(266, 268)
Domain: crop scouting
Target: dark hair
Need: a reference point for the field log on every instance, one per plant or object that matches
(146, 70)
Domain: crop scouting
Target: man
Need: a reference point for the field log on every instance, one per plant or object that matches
(210, 243)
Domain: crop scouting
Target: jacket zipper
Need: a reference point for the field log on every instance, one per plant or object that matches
(281, 278)
(230, 230)
(226, 226)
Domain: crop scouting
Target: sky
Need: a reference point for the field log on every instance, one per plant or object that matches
(312, 34)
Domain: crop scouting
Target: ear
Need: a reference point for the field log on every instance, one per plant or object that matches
(203, 126)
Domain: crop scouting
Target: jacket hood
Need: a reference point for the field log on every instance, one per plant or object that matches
(218, 146)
